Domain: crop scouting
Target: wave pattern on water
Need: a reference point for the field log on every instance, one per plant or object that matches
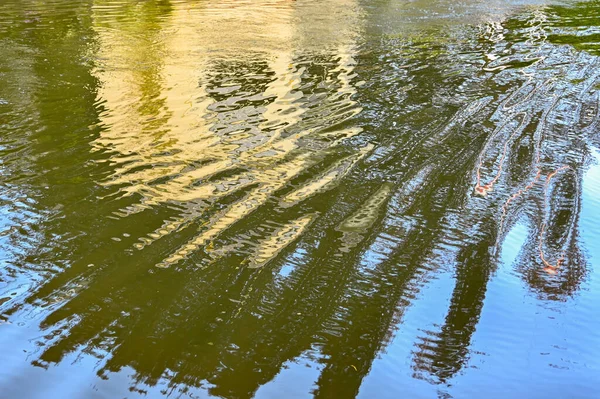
(203, 201)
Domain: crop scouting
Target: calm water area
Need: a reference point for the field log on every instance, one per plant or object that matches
(295, 199)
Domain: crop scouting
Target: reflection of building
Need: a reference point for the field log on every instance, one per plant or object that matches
(191, 121)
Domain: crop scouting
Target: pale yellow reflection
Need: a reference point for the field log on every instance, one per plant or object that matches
(271, 246)
(364, 218)
(173, 123)
(367, 214)
(326, 180)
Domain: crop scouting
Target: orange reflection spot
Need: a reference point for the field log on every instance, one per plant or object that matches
(485, 188)
(549, 268)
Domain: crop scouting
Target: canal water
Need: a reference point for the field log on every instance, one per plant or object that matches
(291, 199)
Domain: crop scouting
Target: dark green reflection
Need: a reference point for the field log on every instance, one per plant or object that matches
(205, 202)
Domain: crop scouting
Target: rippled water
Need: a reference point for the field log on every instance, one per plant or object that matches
(302, 198)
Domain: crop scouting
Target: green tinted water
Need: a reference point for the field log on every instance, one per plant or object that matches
(298, 198)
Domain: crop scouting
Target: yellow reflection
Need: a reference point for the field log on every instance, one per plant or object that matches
(367, 214)
(204, 100)
(326, 180)
(270, 247)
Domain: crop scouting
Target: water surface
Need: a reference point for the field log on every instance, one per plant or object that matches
(278, 198)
